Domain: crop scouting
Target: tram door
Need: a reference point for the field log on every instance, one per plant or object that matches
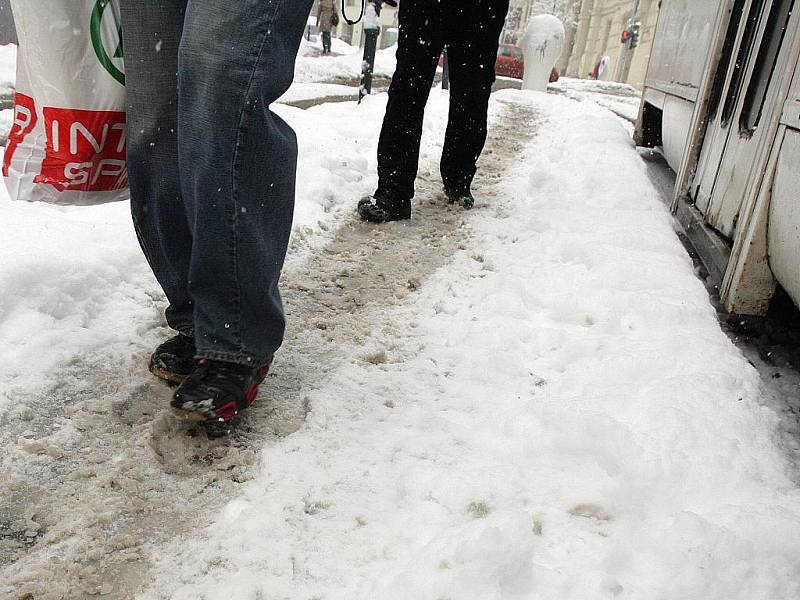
(747, 82)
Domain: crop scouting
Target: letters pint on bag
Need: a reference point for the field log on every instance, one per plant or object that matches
(67, 142)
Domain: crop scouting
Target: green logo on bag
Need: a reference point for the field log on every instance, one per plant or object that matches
(105, 25)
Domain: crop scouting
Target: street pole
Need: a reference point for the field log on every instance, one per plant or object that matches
(372, 28)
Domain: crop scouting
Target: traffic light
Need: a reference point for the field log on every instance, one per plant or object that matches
(630, 36)
(634, 33)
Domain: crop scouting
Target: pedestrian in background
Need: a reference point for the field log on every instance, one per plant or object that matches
(327, 19)
(212, 177)
(471, 31)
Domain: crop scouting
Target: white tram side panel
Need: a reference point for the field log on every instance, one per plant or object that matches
(684, 41)
(722, 99)
(784, 210)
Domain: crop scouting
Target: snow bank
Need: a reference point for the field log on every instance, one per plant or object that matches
(301, 92)
(72, 281)
(344, 63)
(559, 416)
(595, 86)
(620, 98)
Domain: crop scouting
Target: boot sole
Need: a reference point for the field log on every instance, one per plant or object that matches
(191, 416)
(164, 375)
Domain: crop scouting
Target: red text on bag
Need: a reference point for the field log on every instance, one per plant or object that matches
(85, 150)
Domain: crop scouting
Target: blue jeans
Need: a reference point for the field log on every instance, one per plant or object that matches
(212, 169)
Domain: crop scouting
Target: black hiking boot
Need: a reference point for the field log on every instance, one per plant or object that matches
(173, 361)
(462, 197)
(217, 391)
(382, 208)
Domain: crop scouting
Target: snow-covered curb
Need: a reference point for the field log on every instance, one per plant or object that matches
(303, 92)
(559, 416)
(621, 99)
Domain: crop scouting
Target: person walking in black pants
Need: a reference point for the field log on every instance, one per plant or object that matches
(471, 30)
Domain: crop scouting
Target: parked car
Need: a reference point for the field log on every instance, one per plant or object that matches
(510, 61)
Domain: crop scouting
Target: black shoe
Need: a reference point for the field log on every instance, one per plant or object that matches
(217, 391)
(173, 361)
(462, 197)
(382, 208)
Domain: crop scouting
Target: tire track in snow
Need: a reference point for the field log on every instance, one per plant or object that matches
(96, 472)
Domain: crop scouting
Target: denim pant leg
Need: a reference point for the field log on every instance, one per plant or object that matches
(151, 35)
(237, 164)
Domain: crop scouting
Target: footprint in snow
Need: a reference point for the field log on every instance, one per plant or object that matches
(590, 511)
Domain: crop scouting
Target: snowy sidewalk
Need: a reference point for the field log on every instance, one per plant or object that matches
(555, 414)
(81, 306)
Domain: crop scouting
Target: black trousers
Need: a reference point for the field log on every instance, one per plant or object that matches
(470, 29)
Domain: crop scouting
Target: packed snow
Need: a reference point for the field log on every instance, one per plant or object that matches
(557, 414)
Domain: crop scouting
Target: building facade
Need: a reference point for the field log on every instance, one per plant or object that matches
(600, 27)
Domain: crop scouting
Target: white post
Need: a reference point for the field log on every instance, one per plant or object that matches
(542, 44)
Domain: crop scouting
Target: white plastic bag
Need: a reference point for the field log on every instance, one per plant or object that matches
(67, 144)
